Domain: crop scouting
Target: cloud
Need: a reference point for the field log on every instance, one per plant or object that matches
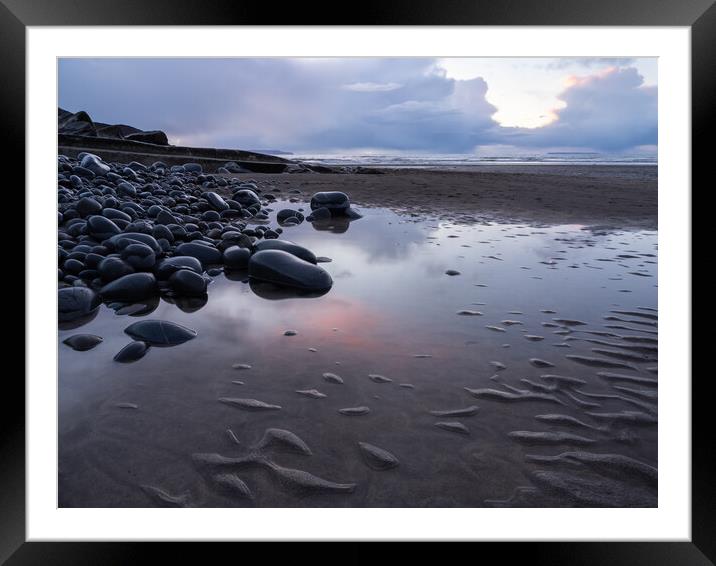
(611, 110)
(324, 104)
(371, 87)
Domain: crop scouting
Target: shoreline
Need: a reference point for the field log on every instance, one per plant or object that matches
(604, 196)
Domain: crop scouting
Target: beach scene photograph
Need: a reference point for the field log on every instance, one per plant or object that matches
(357, 282)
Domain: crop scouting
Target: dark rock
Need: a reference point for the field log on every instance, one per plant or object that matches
(246, 198)
(87, 206)
(130, 288)
(173, 264)
(131, 352)
(335, 201)
(192, 168)
(111, 268)
(140, 256)
(95, 164)
(160, 332)
(236, 257)
(282, 268)
(283, 215)
(102, 228)
(156, 137)
(82, 342)
(124, 239)
(187, 282)
(206, 254)
(216, 202)
(319, 214)
(76, 302)
(287, 246)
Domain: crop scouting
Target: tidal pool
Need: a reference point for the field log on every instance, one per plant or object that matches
(528, 379)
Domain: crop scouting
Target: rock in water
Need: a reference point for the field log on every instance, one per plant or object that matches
(173, 264)
(336, 202)
(282, 268)
(131, 352)
(76, 302)
(206, 254)
(286, 246)
(246, 198)
(377, 458)
(130, 288)
(236, 257)
(160, 332)
(82, 342)
(188, 283)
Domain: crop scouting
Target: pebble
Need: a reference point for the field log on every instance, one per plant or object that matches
(82, 342)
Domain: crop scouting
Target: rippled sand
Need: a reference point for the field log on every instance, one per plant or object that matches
(529, 379)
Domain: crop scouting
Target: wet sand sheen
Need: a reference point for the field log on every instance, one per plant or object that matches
(393, 390)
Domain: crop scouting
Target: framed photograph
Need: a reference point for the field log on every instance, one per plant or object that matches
(403, 277)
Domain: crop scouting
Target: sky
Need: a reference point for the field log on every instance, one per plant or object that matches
(381, 105)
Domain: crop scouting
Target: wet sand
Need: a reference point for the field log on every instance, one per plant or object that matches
(593, 195)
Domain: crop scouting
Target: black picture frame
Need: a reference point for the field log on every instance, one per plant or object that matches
(16, 15)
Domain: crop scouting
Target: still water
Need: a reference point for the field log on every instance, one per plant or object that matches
(525, 299)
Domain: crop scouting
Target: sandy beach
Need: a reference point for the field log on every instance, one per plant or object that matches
(612, 196)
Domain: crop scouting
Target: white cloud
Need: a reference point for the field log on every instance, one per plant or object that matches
(371, 87)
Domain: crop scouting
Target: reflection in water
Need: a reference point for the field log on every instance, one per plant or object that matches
(273, 292)
(188, 304)
(335, 224)
(392, 312)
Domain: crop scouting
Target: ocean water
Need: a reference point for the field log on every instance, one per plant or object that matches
(469, 160)
(529, 379)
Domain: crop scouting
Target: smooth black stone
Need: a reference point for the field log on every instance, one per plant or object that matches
(125, 238)
(319, 214)
(111, 268)
(131, 352)
(126, 189)
(187, 282)
(76, 302)
(287, 246)
(334, 201)
(73, 266)
(287, 213)
(114, 214)
(102, 228)
(87, 206)
(129, 288)
(82, 342)
(192, 168)
(282, 268)
(160, 332)
(162, 233)
(140, 256)
(236, 257)
(216, 202)
(206, 254)
(172, 264)
(165, 218)
(246, 198)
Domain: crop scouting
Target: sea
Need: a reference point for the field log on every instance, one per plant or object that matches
(468, 160)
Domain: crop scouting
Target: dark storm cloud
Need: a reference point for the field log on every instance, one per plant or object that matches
(325, 104)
